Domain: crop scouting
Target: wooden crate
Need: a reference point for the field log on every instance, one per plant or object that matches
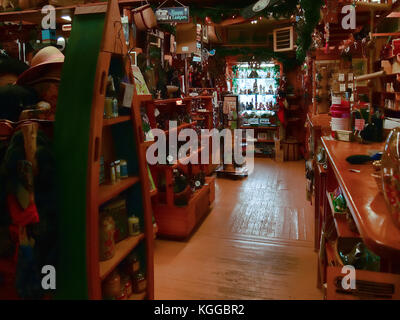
(180, 222)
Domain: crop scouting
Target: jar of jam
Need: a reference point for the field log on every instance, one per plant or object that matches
(112, 286)
(132, 265)
(139, 283)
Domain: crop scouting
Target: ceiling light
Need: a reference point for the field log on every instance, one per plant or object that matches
(66, 18)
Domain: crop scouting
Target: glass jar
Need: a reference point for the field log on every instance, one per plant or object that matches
(139, 283)
(134, 226)
(124, 169)
(391, 174)
(112, 286)
(117, 170)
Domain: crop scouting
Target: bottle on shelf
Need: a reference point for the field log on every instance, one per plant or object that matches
(111, 98)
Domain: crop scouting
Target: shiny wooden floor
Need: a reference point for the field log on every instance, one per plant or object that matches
(257, 243)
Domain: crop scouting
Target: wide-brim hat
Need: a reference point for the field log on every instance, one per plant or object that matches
(46, 65)
(10, 65)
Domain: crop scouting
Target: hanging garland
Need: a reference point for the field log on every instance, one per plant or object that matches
(244, 54)
(307, 11)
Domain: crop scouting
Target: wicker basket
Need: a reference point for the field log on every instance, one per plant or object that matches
(144, 17)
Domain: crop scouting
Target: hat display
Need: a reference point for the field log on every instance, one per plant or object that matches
(46, 65)
(10, 65)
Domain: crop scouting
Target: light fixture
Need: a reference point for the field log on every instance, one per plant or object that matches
(66, 18)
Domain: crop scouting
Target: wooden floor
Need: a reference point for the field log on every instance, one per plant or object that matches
(257, 243)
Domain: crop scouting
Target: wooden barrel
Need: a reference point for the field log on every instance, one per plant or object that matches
(291, 150)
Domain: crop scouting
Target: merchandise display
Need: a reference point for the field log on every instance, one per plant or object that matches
(159, 150)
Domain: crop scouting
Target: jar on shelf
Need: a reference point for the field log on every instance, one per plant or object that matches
(139, 283)
(112, 286)
(117, 164)
(124, 169)
(107, 242)
(134, 226)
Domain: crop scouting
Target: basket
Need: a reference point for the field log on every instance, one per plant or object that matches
(144, 17)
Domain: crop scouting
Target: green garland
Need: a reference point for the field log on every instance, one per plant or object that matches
(284, 9)
(244, 54)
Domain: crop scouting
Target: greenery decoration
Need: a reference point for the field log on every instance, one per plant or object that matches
(244, 54)
(307, 11)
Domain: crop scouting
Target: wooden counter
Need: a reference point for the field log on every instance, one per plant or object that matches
(366, 203)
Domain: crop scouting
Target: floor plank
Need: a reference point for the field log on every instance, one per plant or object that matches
(255, 244)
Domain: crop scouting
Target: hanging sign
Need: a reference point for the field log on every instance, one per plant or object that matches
(173, 14)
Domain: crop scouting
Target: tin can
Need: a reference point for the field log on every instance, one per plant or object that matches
(124, 169)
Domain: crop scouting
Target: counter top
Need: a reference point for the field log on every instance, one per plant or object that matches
(366, 203)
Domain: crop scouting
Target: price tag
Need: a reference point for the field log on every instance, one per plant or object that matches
(156, 113)
(341, 77)
(342, 87)
(351, 77)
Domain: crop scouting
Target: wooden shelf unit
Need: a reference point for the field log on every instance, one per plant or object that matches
(168, 215)
(206, 118)
(81, 137)
(110, 191)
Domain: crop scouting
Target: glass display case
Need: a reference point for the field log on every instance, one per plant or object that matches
(256, 86)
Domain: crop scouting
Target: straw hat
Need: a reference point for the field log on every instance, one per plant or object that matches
(46, 65)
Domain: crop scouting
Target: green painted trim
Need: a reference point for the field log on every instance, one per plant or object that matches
(72, 133)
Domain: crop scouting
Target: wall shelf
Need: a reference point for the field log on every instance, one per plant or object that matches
(110, 191)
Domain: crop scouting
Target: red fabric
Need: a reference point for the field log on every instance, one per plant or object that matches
(19, 216)
(281, 113)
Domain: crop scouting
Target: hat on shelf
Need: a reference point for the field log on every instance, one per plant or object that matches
(46, 65)
(9, 65)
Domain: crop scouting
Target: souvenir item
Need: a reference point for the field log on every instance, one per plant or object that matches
(107, 243)
(117, 210)
(134, 226)
(144, 17)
